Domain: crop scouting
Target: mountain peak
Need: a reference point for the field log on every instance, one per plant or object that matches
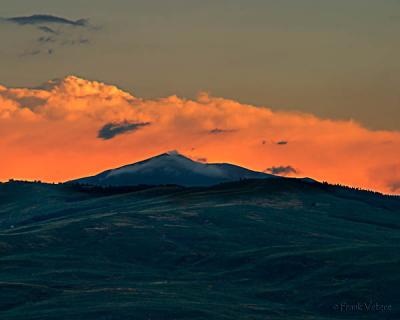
(173, 153)
(169, 155)
(172, 168)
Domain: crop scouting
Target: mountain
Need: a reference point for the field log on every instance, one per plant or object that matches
(254, 249)
(172, 168)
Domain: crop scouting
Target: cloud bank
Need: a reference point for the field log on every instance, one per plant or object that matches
(52, 133)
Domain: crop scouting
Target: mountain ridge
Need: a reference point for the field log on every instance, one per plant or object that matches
(172, 168)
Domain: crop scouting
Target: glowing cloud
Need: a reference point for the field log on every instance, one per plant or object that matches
(51, 133)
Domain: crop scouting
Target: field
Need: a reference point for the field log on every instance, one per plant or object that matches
(266, 249)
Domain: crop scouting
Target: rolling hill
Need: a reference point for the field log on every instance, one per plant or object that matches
(251, 249)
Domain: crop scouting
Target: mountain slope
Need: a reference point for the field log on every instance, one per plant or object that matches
(255, 249)
(172, 168)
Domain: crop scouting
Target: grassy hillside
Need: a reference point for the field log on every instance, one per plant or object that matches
(273, 249)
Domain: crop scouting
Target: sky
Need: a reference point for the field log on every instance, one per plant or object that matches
(315, 83)
(336, 59)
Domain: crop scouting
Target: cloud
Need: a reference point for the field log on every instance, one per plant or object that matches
(46, 19)
(31, 53)
(110, 130)
(75, 42)
(46, 39)
(282, 143)
(390, 172)
(395, 186)
(281, 170)
(220, 131)
(54, 32)
(47, 29)
(58, 129)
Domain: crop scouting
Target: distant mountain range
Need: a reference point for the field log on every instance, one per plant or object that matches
(173, 168)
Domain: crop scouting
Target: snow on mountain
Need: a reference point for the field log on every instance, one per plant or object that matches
(172, 168)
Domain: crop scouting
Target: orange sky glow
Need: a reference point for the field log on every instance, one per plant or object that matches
(52, 134)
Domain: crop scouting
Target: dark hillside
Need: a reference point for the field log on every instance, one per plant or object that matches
(254, 249)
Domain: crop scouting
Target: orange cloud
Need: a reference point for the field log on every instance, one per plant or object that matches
(52, 134)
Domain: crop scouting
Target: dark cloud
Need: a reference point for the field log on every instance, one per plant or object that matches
(46, 18)
(389, 174)
(47, 29)
(46, 40)
(219, 131)
(36, 52)
(110, 130)
(84, 41)
(54, 32)
(281, 170)
(394, 186)
(75, 42)
(31, 53)
(280, 143)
